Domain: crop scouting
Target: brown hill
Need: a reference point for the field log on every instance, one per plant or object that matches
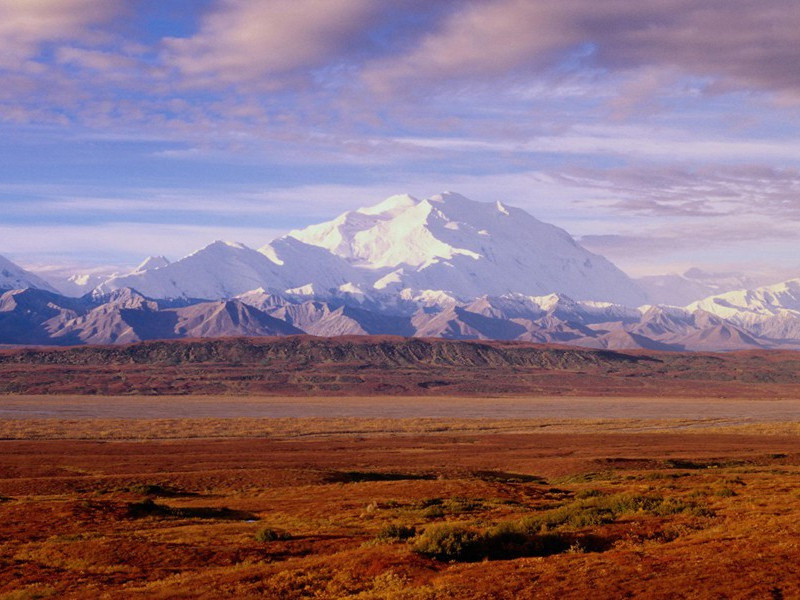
(383, 365)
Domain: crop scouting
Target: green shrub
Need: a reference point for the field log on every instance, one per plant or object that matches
(426, 502)
(267, 534)
(395, 533)
(460, 505)
(599, 510)
(451, 542)
(433, 512)
(583, 494)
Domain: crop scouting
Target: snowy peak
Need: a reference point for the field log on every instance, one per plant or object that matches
(14, 277)
(466, 249)
(151, 262)
(768, 300)
(391, 206)
(396, 251)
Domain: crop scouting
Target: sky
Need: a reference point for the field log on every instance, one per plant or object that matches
(663, 134)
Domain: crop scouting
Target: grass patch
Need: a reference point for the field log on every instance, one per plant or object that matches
(599, 509)
(451, 543)
(456, 543)
(395, 533)
(156, 489)
(267, 534)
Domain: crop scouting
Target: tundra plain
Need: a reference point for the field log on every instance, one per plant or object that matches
(681, 479)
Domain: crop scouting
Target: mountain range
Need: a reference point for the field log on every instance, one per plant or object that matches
(443, 267)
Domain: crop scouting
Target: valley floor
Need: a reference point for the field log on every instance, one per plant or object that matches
(241, 506)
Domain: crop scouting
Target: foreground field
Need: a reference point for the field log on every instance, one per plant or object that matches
(401, 511)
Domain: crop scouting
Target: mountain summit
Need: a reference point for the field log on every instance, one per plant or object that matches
(14, 277)
(467, 249)
(400, 249)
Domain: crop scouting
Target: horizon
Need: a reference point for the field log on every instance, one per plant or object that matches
(662, 138)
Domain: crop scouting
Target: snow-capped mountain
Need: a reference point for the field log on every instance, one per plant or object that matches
(14, 277)
(441, 267)
(223, 270)
(150, 263)
(466, 249)
(401, 251)
(771, 311)
(675, 289)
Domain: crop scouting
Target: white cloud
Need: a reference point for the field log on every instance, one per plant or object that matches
(27, 24)
(268, 40)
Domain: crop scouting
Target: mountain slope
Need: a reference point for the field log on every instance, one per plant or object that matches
(402, 251)
(467, 249)
(771, 311)
(14, 277)
(691, 286)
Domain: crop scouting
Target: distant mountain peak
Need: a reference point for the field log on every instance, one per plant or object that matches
(151, 262)
(466, 248)
(14, 277)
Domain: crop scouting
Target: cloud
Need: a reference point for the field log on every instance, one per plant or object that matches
(759, 245)
(27, 24)
(704, 191)
(271, 39)
(631, 141)
(746, 44)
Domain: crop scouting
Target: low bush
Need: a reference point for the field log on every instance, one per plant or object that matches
(599, 510)
(267, 534)
(395, 533)
(451, 543)
(156, 489)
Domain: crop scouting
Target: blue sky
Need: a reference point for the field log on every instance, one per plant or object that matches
(662, 133)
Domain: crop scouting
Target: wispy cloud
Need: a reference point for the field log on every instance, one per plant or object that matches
(723, 39)
(267, 42)
(26, 25)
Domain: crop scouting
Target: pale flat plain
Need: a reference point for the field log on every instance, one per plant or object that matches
(732, 410)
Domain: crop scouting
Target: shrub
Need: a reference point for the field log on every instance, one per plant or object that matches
(433, 512)
(599, 510)
(451, 542)
(460, 505)
(155, 489)
(426, 502)
(267, 534)
(395, 533)
(583, 494)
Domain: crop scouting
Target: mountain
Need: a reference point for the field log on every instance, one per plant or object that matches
(402, 252)
(771, 312)
(123, 316)
(223, 270)
(35, 316)
(151, 262)
(694, 284)
(443, 267)
(14, 277)
(467, 249)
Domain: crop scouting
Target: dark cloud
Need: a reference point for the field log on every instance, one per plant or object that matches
(751, 44)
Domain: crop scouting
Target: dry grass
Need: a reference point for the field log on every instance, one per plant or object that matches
(567, 510)
(157, 429)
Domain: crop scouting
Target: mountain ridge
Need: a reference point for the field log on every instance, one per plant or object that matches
(402, 247)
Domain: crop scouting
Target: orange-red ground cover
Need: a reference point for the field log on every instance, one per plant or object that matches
(721, 520)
